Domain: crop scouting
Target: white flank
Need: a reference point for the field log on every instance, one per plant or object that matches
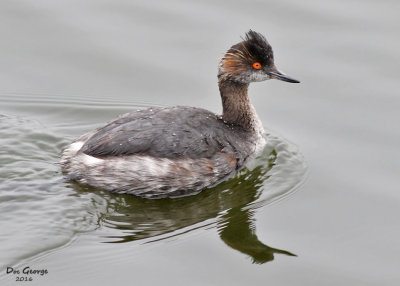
(90, 160)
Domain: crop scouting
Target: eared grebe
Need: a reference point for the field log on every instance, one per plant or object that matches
(176, 151)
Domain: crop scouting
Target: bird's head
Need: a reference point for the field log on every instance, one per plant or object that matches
(250, 60)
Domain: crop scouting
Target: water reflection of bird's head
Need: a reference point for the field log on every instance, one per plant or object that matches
(239, 233)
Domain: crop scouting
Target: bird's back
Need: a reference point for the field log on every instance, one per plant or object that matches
(175, 132)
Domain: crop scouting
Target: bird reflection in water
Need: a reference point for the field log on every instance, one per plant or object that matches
(228, 205)
(239, 233)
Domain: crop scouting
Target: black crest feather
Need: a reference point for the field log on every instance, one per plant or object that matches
(258, 47)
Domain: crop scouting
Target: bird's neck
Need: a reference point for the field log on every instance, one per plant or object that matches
(237, 108)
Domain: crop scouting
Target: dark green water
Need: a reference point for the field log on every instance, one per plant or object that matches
(67, 67)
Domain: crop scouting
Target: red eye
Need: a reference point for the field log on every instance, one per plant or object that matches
(257, 65)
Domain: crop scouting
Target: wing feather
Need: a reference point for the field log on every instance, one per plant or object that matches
(175, 132)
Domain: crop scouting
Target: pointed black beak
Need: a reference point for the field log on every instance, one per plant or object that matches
(281, 76)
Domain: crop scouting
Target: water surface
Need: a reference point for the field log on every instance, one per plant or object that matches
(69, 66)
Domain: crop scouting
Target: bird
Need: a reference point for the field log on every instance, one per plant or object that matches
(162, 152)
